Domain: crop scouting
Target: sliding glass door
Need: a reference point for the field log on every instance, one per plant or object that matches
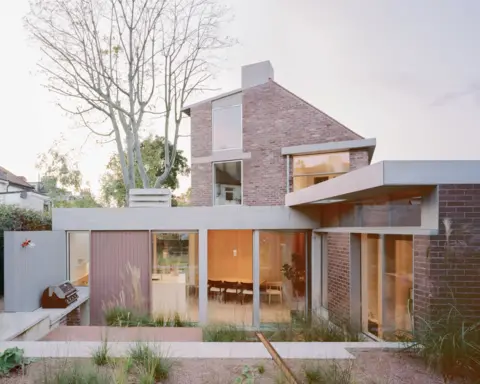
(387, 285)
(256, 277)
(283, 276)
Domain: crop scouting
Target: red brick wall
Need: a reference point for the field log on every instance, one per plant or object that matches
(73, 318)
(272, 118)
(439, 273)
(338, 249)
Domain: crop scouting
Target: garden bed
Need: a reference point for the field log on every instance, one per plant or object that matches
(370, 367)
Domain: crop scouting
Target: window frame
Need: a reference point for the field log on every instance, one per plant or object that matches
(316, 174)
(214, 183)
(69, 262)
(213, 127)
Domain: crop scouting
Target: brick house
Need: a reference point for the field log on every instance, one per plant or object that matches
(287, 216)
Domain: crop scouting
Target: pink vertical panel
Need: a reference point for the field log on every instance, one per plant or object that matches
(110, 279)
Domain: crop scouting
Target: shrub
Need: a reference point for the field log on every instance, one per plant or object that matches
(12, 359)
(149, 364)
(13, 218)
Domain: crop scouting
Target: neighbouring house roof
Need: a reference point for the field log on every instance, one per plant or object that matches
(20, 181)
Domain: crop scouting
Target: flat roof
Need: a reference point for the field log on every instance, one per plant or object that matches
(387, 176)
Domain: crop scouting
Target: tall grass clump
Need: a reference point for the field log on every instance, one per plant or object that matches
(330, 373)
(100, 356)
(129, 308)
(448, 340)
(226, 333)
(311, 328)
(74, 374)
(449, 345)
(149, 366)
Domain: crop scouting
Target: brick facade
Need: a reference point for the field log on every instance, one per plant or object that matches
(273, 118)
(338, 250)
(448, 264)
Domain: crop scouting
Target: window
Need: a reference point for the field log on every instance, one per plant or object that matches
(387, 285)
(79, 257)
(228, 183)
(174, 286)
(227, 127)
(313, 169)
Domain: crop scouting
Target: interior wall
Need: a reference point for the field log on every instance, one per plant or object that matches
(222, 263)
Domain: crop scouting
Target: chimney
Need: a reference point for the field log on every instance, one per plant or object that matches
(256, 74)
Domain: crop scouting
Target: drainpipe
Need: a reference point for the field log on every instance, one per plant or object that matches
(288, 173)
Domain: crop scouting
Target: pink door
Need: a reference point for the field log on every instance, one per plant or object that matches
(119, 271)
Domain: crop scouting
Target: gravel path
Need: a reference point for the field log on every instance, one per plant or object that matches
(370, 367)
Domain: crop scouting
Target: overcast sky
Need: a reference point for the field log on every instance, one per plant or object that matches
(404, 71)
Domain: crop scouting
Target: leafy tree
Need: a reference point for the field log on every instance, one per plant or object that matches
(62, 181)
(184, 199)
(115, 64)
(152, 148)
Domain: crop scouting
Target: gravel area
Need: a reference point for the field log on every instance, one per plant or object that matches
(370, 367)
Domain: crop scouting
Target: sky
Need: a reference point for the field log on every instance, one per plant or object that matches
(405, 72)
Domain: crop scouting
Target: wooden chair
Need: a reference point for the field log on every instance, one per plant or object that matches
(247, 290)
(275, 289)
(215, 288)
(232, 289)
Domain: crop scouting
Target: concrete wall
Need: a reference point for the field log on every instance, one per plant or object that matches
(28, 271)
(183, 218)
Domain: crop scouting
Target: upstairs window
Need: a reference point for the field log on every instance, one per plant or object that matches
(228, 183)
(227, 127)
(314, 169)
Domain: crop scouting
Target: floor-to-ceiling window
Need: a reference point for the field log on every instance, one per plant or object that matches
(79, 257)
(398, 286)
(175, 275)
(387, 285)
(230, 277)
(282, 275)
(371, 284)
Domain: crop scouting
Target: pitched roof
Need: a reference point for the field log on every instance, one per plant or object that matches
(186, 109)
(5, 174)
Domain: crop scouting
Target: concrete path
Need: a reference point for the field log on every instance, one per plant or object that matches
(199, 350)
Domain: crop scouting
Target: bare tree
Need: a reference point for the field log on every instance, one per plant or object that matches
(125, 61)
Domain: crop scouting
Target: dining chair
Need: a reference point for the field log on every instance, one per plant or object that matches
(275, 289)
(232, 289)
(215, 287)
(247, 289)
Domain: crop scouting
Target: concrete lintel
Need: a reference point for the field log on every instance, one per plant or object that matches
(226, 155)
(183, 218)
(403, 173)
(333, 146)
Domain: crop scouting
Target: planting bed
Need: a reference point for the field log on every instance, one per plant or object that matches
(92, 333)
(370, 367)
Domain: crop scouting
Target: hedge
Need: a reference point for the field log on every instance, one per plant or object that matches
(13, 218)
